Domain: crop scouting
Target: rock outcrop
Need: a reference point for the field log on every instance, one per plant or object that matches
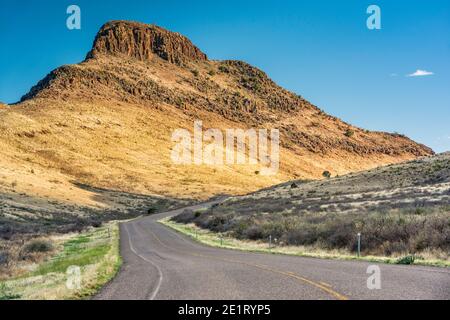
(143, 41)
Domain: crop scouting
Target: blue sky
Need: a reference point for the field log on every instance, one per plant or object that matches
(319, 49)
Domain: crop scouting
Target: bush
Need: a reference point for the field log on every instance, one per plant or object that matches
(195, 72)
(326, 174)
(4, 258)
(223, 69)
(6, 294)
(151, 211)
(187, 216)
(197, 214)
(254, 232)
(96, 223)
(349, 133)
(406, 260)
(38, 246)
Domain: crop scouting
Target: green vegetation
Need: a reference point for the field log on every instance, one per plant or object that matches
(224, 69)
(349, 133)
(326, 174)
(406, 260)
(95, 253)
(6, 293)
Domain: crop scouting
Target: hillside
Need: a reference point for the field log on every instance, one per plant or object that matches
(107, 122)
(399, 209)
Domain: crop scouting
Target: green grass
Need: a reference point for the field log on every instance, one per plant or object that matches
(6, 293)
(95, 252)
(85, 256)
(213, 239)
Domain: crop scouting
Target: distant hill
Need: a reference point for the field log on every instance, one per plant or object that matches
(399, 209)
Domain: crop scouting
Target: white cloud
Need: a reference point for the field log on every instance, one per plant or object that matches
(420, 73)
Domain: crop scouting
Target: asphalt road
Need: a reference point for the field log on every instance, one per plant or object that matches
(162, 264)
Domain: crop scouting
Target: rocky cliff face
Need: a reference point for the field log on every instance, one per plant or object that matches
(142, 41)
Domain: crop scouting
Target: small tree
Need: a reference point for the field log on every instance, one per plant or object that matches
(326, 174)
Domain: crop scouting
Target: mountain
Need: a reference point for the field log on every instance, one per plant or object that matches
(108, 122)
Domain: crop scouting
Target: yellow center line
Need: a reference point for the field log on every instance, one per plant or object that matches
(325, 284)
(319, 285)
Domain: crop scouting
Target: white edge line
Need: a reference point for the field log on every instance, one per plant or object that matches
(160, 274)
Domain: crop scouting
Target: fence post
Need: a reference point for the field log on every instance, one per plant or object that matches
(359, 244)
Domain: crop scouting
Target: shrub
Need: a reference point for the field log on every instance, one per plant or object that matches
(211, 73)
(6, 294)
(38, 246)
(326, 174)
(4, 258)
(151, 211)
(197, 214)
(96, 223)
(254, 232)
(195, 72)
(223, 69)
(349, 133)
(187, 216)
(406, 260)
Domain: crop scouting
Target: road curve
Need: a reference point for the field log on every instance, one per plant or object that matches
(161, 264)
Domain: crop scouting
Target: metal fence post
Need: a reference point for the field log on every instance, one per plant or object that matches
(359, 244)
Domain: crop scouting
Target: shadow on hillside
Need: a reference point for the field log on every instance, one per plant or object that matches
(22, 214)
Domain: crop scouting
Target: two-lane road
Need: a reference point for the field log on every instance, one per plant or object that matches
(159, 263)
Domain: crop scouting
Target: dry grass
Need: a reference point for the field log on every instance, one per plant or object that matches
(96, 252)
(25, 219)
